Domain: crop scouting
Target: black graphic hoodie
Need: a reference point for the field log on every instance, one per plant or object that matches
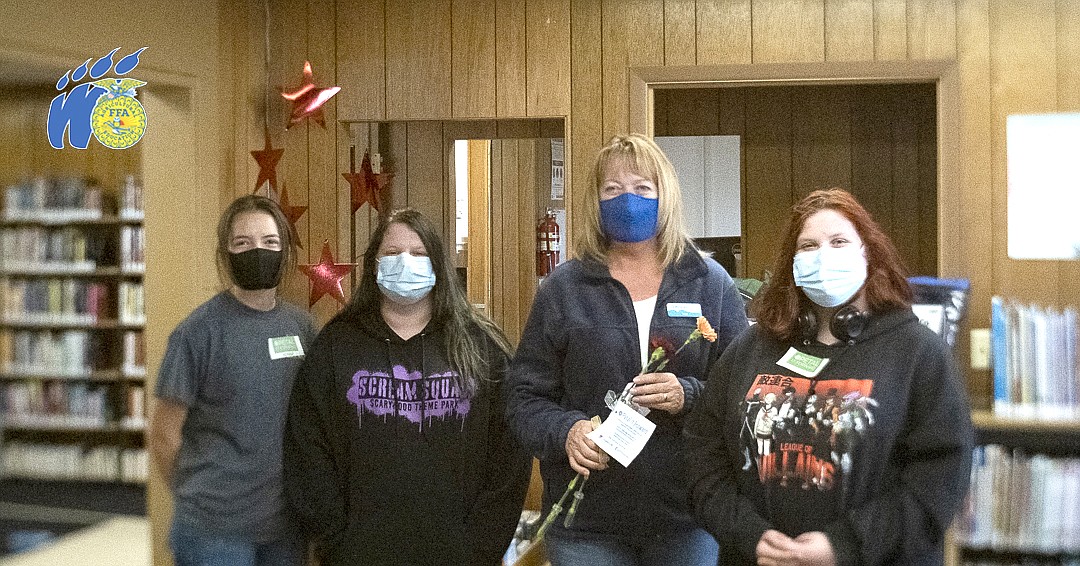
(386, 461)
(875, 451)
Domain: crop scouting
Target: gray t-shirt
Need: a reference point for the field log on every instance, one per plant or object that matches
(231, 365)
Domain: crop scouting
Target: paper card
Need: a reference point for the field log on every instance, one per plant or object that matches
(624, 434)
(684, 310)
(802, 363)
(285, 347)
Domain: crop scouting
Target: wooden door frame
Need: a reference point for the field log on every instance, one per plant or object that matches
(644, 81)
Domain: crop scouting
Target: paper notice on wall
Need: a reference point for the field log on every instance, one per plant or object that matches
(560, 219)
(557, 170)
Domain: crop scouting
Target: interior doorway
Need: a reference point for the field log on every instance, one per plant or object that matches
(878, 141)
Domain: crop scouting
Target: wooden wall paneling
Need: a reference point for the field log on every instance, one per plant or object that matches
(512, 310)
(821, 139)
(288, 51)
(355, 229)
(396, 155)
(724, 32)
(500, 202)
(910, 228)
(425, 190)
(548, 58)
(787, 31)
(931, 29)
(586, 125)
(553, 128)
(924, 98)
(252, 97)
(849, 30)
(1021, 82)
(768, 193)
(890, 30)
(361, 59)
(517, 129)
(633, 35)
(418, 59)
(322, 218)
(16, 163)
(479, 274)
(473, 58)
(731, 111)
(532, 170)
(1068, 100)
(871, 152)
(977, 254)
(689, 112)
(510, 57)
(680, 32)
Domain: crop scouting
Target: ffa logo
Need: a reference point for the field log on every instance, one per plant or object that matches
(118, 120)
(106, 107)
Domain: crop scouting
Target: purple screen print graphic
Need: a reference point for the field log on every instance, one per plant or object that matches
(402, 393)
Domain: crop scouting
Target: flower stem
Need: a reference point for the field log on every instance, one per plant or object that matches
(557, 508)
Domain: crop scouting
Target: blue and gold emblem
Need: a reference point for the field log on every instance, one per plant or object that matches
(118, 120)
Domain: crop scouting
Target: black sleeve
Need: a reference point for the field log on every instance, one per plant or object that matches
(495, 514)
(730, 324)
(934, 452)
(711, 473)
(312, 476)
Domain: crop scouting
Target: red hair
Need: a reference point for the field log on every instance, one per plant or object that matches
(777, 308)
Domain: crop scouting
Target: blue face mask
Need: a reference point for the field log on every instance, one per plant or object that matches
(629, 218)
(405, 278)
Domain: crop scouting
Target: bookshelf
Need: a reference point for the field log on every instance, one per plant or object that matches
(72, 315)
(1024, 502)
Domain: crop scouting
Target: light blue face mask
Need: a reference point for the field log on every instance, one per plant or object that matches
(629, 218)
(830, 276)
(405, 278)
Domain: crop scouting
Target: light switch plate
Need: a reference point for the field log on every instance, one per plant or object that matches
(980, 348)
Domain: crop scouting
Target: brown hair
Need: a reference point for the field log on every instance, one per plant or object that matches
(253, 203)
(777, 308)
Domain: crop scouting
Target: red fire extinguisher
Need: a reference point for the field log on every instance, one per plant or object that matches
(547, 244)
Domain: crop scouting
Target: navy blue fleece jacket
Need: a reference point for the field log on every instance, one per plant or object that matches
(580, 341)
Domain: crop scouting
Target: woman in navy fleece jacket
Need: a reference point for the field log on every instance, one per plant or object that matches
(639, 280)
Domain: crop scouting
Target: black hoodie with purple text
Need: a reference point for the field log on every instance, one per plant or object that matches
(388, 461)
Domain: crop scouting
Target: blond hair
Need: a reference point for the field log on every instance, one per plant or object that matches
(643, 157)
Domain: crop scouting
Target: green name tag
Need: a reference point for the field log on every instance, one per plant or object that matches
(285, 347)
(802, 363)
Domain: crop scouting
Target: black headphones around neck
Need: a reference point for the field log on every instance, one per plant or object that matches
(847, 323)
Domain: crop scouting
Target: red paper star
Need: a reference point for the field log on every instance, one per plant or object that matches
(267, 159)
(326, 276)
(367, 187)
(292, 214)
(308, 99)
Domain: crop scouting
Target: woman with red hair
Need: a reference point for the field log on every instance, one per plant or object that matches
(881, 474)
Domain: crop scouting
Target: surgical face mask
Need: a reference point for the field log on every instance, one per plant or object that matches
(629, 218)
(405, 278)
(255, 269)
(830, 276)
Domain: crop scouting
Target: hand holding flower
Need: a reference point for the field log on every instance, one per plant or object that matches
(583, 453)
(661, 391)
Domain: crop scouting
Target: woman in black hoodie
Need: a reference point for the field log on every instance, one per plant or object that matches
(396, 447)
(875, 466)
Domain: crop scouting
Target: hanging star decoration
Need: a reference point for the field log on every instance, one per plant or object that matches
(326, 276)
(307, 100)
(366, 186)
(267, 158)
(292, 214)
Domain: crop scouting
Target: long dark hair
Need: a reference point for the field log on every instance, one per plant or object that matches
(777, 308)
(450, 307)
(253, 203)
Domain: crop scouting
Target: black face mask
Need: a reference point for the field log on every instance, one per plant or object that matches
(255, 269)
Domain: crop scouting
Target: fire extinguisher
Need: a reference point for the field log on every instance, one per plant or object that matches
(547, 244)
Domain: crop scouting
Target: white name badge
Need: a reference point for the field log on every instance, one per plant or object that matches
(802, 363)
(285, 347)
(684, 310)
(624, 434)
